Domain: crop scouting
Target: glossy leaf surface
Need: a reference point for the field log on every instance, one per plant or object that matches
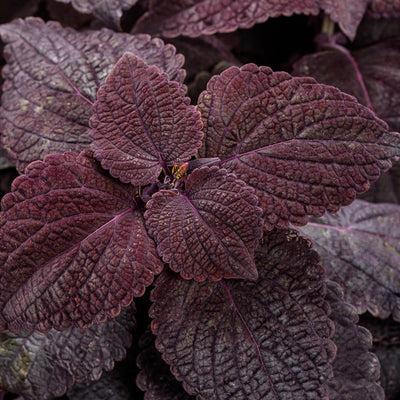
(303, 146)
(142, 122)
(40, 366)
(211, 230)
(355, 369)
(52, 77)
(237, 339)
(74, 248)
(360, 248)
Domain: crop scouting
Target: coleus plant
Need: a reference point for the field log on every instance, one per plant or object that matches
(241, 310)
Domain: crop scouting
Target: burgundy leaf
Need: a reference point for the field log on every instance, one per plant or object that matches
(155, 377)
(303, 146)
(142, 122)
(107, 11)
(74, 248)
(384, 8)
(211, 230)
(250, 340)
(360, 248)
(40, 366)
(355, 369)
(52, 78)
(377, 66)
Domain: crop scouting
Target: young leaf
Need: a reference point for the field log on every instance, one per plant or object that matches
(211, 230)
(52, 77)
(237, 339)
(142, 122)
(360, 248)
(107, 11)
(355, 369)
(303, 146)
(74, 248)
(40, 366)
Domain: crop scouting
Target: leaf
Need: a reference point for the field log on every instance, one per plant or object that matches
(11, 9)
(107, 11)
(211, 230)
(303, 146)
(155, 377)
(142, 122)
(379, 67)
(355, 369)
(52, 78)
(40, 366)
(237, 339)
(384, 9)
(360, 248)
(74, 248)
(206, 17)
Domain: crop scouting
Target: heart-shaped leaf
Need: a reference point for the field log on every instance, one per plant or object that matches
(142, 122)
(303, 146)
(236, 339)
(74, 248)
(52, 77)
(211, 230)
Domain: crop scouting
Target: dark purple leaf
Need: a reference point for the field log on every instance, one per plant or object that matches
(384, 8)
(155, 377)
(237, 339)
(378, 66)
(360, 248)
(303, 146)
(107, 11)
(11, 9)
(52, 78)
(211, 230)
(74, 248)
(39, 366)
(355, 369)
(142, 122)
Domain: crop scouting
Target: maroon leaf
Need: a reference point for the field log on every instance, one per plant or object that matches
(52, 78)
(142, 122)
(74, 248)
(355, 369)
(107, 11)
(360, 248)
(303, 146)
(384, 8)
(40, 366)
(378, 66)
(205, 17)
(211, 230)
(238, 339)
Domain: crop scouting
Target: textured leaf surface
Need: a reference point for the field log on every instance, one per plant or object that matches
(360, 248)
(40, 366)
(249, 340)
(107, 11)
(384, 8)
(303, 146)
(52, 78)
(143, 122)
(355, 369)
(205, 17)
(379, 66)
(211, 230)
(155, 377)
(73, 246)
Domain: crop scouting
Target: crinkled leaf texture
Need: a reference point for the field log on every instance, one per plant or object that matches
(360, 248)
(355, 369)
(52, 77)
(74, 247)
(303, 146)
(142, 122)
(237, 339)
(205, 17)
(42, 365)
(211, 230)
(107, 11)
(379, 67)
